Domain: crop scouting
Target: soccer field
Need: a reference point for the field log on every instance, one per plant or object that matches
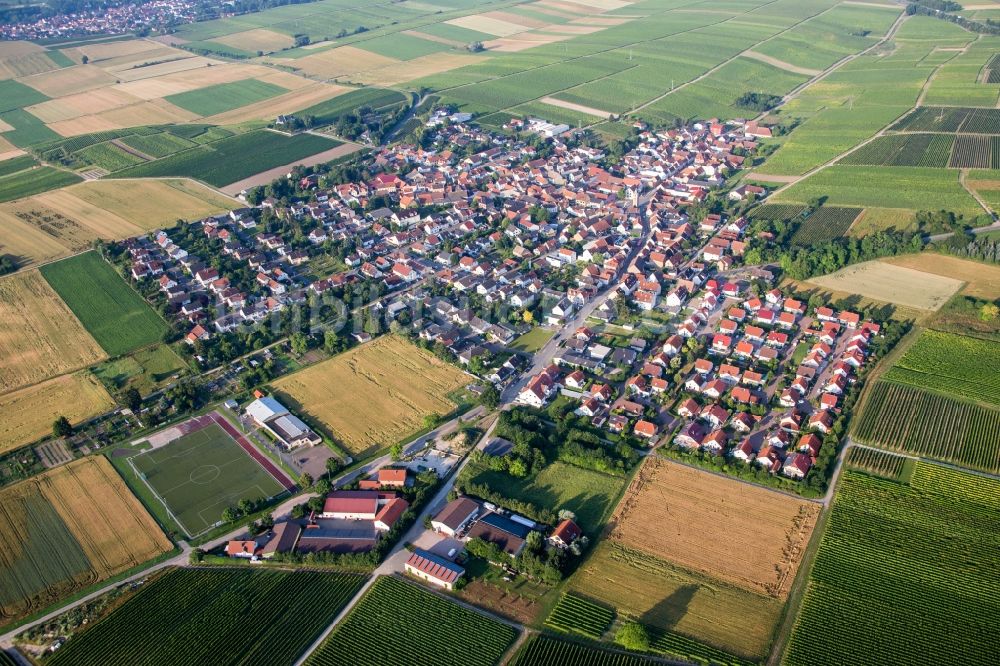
(200, 474)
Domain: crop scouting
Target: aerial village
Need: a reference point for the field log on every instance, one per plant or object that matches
(476, 240)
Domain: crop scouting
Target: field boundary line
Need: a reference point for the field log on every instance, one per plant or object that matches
(142, 477)
(738, 55)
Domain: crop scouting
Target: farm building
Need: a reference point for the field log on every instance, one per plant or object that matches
(271, 415)
(565, 534)
(243, 549)
(455, 516)
(501, 531)
(339, 536)
(433, 569)
(284, 538)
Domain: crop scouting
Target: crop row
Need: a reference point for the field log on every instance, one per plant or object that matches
(397, 622)
(541, 650)
(907, 563)
(233, 158)
(930, 150)
(906, 418)
(671, 644)
(217, 616)
(108, 156)
(825, 224)
(873, 461)
(972, 152)
(957, 364)
(576, 614)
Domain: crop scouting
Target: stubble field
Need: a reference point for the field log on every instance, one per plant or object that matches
(892, 284)
(39, 336)
(67, 529)
(763, 533)
(373, 395)
(27, 414)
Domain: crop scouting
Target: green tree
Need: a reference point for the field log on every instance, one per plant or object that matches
(490, 397)
(299, 343)
(633, 636)
(61, 427)
(306, 480)
(133, 400)
(229, 514)
(989, 312)
(396, 451)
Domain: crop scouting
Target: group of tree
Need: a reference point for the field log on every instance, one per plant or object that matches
(758, 101)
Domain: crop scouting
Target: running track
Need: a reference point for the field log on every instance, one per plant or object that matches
(252, 451)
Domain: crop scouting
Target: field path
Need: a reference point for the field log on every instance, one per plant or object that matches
(589, 110)
(780, 64)
(132, 151)
(265, 177)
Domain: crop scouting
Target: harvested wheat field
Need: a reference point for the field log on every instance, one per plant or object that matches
(340, 61)
(62, 227)
(142, 60)
(71, 527)
(522, 42)
(170, 67)
(27, 242)
(668, 598)
(98, 52)
(10, 49)
(374, 395)
(39, 336)
(154, 112)
(488, 25)
(259, 39)
(981, 280)
(151, 204)
(7, 149)
(80, 221)
(891, 283)
(70, 80)
(13, 67)
(26, 415)
(700, 516)
(434, 63)
(82, 104)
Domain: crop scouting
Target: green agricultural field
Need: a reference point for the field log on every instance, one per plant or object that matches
(590, 495)
(885, 187)
(225, 96)
(38, 568)
(908, 563)
(15, 164)
(848, 106)
(541, 650)
(28, 130)
(925, 150)
(201, 474)
(913, 420)
(716, 95)
(105, 304)
(219, 616)
(402, 47)
(775, 211)
(575, 614)
(108, 156)
(157, 145)
(825, 224)
(145, 370)
(15, 95)
(955, 365)
(32, 181)
(234, 158)
(328, 112)
(416, 627)
(879, 463)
